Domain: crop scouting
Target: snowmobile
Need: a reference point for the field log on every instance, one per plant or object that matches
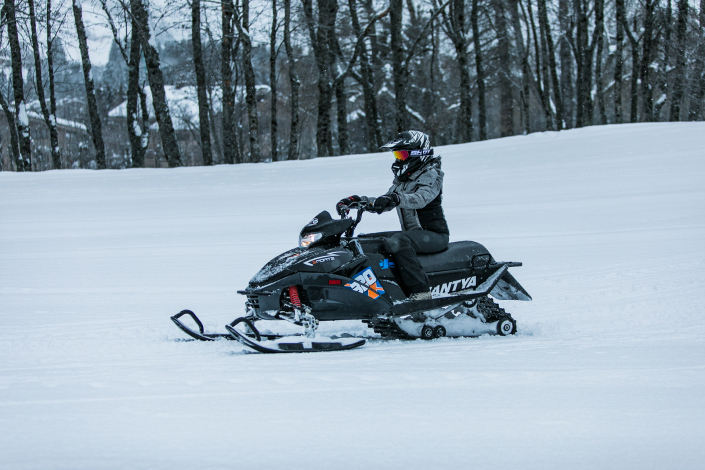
(334, 275)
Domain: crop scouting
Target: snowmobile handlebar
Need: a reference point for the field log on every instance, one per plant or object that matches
(361, 208)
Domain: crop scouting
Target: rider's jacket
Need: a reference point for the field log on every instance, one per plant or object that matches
(420, 197)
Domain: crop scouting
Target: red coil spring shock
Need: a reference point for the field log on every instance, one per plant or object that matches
(294, 296)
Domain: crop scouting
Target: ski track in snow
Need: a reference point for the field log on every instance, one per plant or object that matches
(607, 371)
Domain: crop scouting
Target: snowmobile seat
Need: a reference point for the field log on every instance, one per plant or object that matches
(376, 242)
(458, 255)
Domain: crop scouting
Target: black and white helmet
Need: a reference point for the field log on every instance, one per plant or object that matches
(408, 140)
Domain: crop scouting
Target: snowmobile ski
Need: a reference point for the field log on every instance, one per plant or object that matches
(201, 335)
(295, 344)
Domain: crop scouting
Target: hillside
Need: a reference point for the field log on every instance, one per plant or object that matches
(606, 371)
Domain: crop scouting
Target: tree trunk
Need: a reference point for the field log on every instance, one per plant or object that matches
(599, 34)
(203, 124)
(647, 91)
(540, 69)
(545, 75)
(506, 102)
(482, 111)
(250, 90)
(619, 62)
(696, 100)
(94, 116)
(396, 10)
(156, 84)
(14, 143)
(374, 136)
(229, 142)
(273, 82)
(564, 51)
(49, 119)
(320, 40)
(341, 106)
(134, 131)
(50, 71)
(525, 70)
(584, 65)
(553, 67)
(293, 153)
(680, 72)
(455, 27)
(634, 90)
(24, 158)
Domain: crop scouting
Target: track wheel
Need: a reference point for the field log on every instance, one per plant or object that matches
(427, 332)
(439, 331)
(506, 326)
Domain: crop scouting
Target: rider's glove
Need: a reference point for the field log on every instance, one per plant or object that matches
(386, 203)
(344, 205)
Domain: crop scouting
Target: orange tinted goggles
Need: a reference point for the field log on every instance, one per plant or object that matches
(401, 155)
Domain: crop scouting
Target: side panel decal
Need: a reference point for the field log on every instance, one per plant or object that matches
(366, 283)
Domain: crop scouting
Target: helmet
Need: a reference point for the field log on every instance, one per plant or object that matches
(408, 140)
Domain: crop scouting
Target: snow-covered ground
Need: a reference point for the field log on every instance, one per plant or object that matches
(608, 370)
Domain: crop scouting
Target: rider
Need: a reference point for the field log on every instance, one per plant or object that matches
(416, 193)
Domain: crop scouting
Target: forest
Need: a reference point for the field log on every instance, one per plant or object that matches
(206, 82)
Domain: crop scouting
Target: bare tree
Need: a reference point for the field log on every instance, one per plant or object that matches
(482, 111)
(321, 32)
(96, 125)
(49, 119)
(230, 153)
(242, 22)
(680, 72)
(619, 60)
(138, 136)
(698, 95)
(567, 90)
(551, 65)
(542, 81)
(506, 108)
(24, 157)
(396, 9)
(647, 57)
(201, 85)
(523, 53)
(14, 143)
(293, 153)
(454, 24)
(599, 38)
(366, 81)
(273, 81)
(156, 84)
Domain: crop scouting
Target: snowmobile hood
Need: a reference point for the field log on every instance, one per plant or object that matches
(316, 259)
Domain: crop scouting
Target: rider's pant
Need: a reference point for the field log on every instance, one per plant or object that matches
(405, 246)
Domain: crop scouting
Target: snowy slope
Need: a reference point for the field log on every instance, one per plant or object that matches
(608, 370)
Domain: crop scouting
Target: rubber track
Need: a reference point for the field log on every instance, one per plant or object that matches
(389, 330)
(490, 310)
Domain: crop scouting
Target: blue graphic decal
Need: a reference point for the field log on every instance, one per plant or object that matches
(386, 264)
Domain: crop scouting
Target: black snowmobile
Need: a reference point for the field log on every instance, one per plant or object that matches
(333, 275)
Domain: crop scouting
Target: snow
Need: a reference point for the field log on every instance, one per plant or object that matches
(607, 371)
(414, 113)
(22, 115)
(183, 105)
(60, 121)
